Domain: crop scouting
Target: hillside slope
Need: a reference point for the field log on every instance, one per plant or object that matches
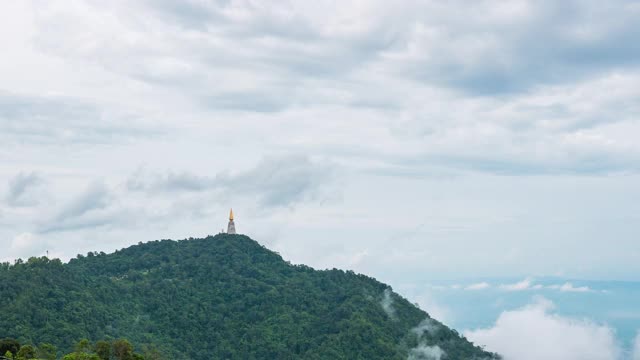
(221, 297)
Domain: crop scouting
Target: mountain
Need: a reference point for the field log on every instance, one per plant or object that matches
(221, 297)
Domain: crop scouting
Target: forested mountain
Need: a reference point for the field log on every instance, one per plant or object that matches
(221, 297)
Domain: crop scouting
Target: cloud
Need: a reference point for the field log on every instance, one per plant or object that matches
(248, 101)
(527, 284)
(497, 49)
(425, 352)
(152, 198)
(282, 181)
(427, 325)
(276, 181)
(387, 304)
(500, 49)
(478, 286)
(170, 182)
(24, 245)
(23, 241)
(428, 302)
(21, 187)
(358, 257)
(29, 118)
(286, 45)
(95, 196)
(348, 65)
(519, 286)
(568, 287)
(93, 221)
(636, 348)
(535, 332)
(88, 209)
(528, 96)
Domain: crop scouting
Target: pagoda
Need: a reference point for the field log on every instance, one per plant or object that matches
(231, 228)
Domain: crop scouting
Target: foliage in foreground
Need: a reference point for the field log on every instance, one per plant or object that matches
(120, 349)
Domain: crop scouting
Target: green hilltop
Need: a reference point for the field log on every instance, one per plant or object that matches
(221, 297)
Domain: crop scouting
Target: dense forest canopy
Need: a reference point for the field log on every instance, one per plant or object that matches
(221, 297)
(120, 349)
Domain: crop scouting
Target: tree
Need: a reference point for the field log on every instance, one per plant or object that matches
(47, 352)
(103, 350)
(83, 352)
(122, 349)
(26, 352)
(151, 353)
(80, 356)
(83, 346)
(11, 345)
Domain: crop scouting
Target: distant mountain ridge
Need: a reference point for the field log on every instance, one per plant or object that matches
(220, 297)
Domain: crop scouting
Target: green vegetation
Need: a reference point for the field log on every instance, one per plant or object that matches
(222, 297)
(120, 349)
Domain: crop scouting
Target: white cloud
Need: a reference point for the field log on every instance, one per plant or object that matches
(24, 245)
(275, 181)
(478, 286)
(535, 332)
(568, 287)
(520, 285)
(20, 192)
(435, 308)
(23, 241)
(425, 352)
(635, 353)
(528, 284)
(358, 257)
(387, 304)
(427, 325)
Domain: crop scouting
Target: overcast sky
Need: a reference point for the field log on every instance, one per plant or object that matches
(407, 140)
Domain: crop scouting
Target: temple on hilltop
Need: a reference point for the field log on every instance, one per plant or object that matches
(231, 228)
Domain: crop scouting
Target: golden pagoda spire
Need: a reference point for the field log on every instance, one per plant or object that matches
(231, 228)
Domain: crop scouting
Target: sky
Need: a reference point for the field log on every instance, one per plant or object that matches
(412, 141)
